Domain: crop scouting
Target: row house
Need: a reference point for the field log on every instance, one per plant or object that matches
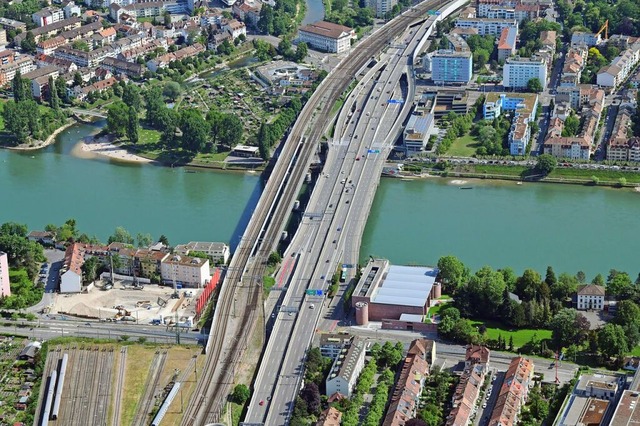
(164, 60)
(513, 393)
(24, 64)
(132, 54)
(627, 149)
(616, 73)
(408, 389)
(85, 59)
(81, 93)
(574, 62)
(63, 65)
(465, 396)
(47, 16)
(576, 148)
(40, 79)
(82, 32)
(119, 67)
(50, 30)
(48, 46)
(128, 43)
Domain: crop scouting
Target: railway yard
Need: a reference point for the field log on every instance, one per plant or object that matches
(114, 384)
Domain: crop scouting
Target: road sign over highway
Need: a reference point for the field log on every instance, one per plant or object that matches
(395, 101)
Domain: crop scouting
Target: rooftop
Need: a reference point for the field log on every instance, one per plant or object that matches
(405, 285)
(627, 412)
(327, 29)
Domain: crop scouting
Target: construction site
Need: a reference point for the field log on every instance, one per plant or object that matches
(131, 302)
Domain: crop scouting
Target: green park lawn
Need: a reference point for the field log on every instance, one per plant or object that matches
(520, 337)
(464, 146)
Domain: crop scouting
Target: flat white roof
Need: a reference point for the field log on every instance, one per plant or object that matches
(411, 317)
(406, 285)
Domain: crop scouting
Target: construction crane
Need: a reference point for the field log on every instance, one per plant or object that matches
(604, 28)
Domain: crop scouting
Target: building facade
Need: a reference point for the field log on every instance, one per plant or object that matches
(185, 271)
(346, 369)
(327, 36)
(590, 297)
(448, 66)
(518, 71)
(5, 288)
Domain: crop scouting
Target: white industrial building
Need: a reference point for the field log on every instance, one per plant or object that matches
(486, 26)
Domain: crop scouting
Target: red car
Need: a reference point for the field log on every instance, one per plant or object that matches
(261, 402)
(357, 158)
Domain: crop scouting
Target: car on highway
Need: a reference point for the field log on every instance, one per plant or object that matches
(290, 313)
(357, 158)
(261, 403)
(339, 228)
(484, 405)
(312, 306)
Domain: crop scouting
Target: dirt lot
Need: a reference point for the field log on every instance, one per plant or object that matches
(143, 305)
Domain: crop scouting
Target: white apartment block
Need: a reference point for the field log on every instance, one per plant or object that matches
(5, 289)
(24, 64)
(620, 68)
(518, 71)
(47, 16)
(382, 7)
(346, 369)
(486, 26)
(185, 271)
(218, 252)
(327, 36)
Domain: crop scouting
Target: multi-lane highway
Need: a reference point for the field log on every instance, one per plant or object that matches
(334, 220)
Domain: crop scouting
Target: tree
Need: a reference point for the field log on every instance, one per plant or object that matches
(265, 23)
(195, 130)
(619, 284)
(568, 327)
(15, 121)
(528, 285)
(166, 19)
(611, 341)
(487, 135)
(240, 394)
(61, 89)
(550, 277)
(164, 240)
(598, 280)
(263, 142)
(118, 118)
(311, 395)
(77, 79)
(131, 96)
(452, 272)
(144, 240)
(546, 164)
(571, 125)
(54, 101)
(301, 52)
(121, 235)
(171, 90)
(534, 85)
(19, 87)
(132, 126)
(29, 43)
(480, 58)
(274, 258)
(231, 129)
(90, 269)
(627, 312)
(154, 105)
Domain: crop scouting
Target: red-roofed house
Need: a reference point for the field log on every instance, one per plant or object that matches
(513, 393)
(71, 272)
(476, 354)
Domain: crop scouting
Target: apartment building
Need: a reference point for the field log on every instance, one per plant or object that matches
(40, 79)
(591, 400)
(5, 288)
(327, 36)
(24, 64)
(624, 149)
(235, 27)
(247, 12)
(47, 16)
(184, 270)
(48, 46)
(524, 106)
(507, 43)
(465, 396)
(487, 26)
(10, 24)
(346, 369)
(71, 271)
(518, 71)
(218, 252)
(513, 393)
(331, 344)
(584, 39)
(574, 62)
(50, 30)
(71, 9)
(147, 9)
(164, 60)
(417, 131)
(84, 59)
(615, 74)
(590, 297)
(449, 66)
(381, 7)
(117, 66)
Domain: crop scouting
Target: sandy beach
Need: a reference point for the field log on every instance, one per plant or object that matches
(104, 147)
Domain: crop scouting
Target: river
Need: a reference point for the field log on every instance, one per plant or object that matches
(52, 185)
(496, 223)
(315, 12)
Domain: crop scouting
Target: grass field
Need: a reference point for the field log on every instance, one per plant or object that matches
(635, 351)
(464, 146)
(520, 337)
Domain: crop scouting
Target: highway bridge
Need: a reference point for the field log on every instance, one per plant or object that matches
(242, 286)
(330, 233)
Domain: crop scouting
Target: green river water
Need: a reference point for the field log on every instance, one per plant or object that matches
(496, 223)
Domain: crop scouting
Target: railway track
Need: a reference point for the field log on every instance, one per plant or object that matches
(264, 229)
(146, 403)
(119, 386)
